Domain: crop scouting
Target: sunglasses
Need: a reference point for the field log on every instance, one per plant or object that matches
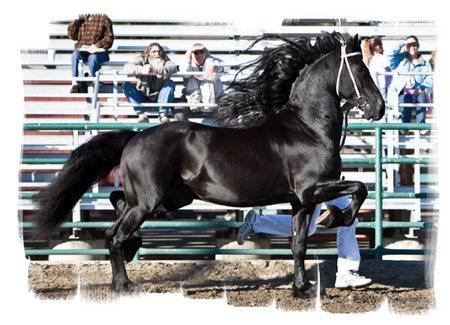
(199, 52)
(415, 44)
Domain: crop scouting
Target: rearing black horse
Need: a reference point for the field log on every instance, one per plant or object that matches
(289, 153)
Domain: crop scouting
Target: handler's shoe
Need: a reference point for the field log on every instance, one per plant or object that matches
(351, 280)
(247, 227)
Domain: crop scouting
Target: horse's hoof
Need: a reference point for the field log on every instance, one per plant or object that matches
(324, 295)
(331, 218)
(309, 291)
(124, 287)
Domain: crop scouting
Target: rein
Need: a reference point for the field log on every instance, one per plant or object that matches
(346, 111)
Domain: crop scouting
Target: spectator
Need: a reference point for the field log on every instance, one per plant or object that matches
(348, 251)
(377, 63)
(433, 59)
(93, 36)
(433, 66)
(205, 88)
(413, 88)
(152, 69)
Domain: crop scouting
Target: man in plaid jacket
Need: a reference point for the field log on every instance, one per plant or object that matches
(93, 36)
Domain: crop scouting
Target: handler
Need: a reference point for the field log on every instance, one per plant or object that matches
(348, 251)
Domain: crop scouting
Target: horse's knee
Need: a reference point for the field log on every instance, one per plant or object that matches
(361, 190)
(298, 246)
(117, 199)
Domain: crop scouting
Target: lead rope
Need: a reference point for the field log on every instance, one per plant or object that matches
(346, 113)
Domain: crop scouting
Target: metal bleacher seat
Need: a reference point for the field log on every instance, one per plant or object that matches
(46, 74)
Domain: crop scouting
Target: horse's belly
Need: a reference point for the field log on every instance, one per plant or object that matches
(236, 191)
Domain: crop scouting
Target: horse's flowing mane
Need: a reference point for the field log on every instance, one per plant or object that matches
(266, 90)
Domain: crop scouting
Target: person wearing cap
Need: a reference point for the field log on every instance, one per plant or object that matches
(410, 88)
(153, 70)
(206, 87)
(93, 36)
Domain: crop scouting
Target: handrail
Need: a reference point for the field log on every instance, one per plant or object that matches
(124, 126)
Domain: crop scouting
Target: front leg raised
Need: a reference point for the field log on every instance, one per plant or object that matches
(300, 224)
(334, 216)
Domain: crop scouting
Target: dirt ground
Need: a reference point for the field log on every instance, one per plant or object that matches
(405, 284)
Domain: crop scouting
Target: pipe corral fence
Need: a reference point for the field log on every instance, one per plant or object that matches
(378, 195)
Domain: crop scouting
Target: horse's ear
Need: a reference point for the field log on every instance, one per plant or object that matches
(356, 44)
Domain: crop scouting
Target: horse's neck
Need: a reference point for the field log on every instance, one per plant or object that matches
(316, 111)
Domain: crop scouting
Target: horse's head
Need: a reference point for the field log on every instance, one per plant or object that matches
(354, 83)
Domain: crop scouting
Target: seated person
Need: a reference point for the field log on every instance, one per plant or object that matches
(152, 70)
(94, 36)
(406, 88)
(207, 87)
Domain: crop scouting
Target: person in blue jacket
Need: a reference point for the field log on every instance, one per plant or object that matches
(412, 79)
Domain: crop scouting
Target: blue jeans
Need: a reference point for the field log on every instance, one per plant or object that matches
(165, 95)
(94, 61)
(421, 112)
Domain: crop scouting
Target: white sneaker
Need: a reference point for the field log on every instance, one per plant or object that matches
(163, 118)
(351, 280)
(246, 228)
(142, 118)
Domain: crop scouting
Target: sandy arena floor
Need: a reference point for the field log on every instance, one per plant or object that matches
(405, 284)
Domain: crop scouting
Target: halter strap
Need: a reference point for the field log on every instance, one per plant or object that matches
(344, 59)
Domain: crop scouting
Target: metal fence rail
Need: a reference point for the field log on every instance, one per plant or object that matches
(378, 195)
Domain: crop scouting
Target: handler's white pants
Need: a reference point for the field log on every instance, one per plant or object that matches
(347, 245)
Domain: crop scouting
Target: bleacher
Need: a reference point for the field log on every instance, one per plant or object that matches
(47, 78)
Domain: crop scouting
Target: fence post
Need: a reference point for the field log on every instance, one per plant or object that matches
(378, 194)
(95, 101)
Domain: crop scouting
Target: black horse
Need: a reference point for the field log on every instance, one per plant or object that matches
(288, 151)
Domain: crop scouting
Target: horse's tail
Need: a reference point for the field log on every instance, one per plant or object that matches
(88, 164)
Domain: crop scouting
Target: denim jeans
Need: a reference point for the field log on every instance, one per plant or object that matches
(94, 61)
(165, 95)
(421, 112)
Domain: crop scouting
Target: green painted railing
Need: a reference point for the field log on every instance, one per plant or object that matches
(378, 195)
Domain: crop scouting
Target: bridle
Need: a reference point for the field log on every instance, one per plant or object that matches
(360, 100)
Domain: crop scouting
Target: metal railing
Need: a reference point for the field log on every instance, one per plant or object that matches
(378, 195)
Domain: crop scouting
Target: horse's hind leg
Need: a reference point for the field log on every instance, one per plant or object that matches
(132, 219)
(336, 217)
(300, 224)
(132, 244)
